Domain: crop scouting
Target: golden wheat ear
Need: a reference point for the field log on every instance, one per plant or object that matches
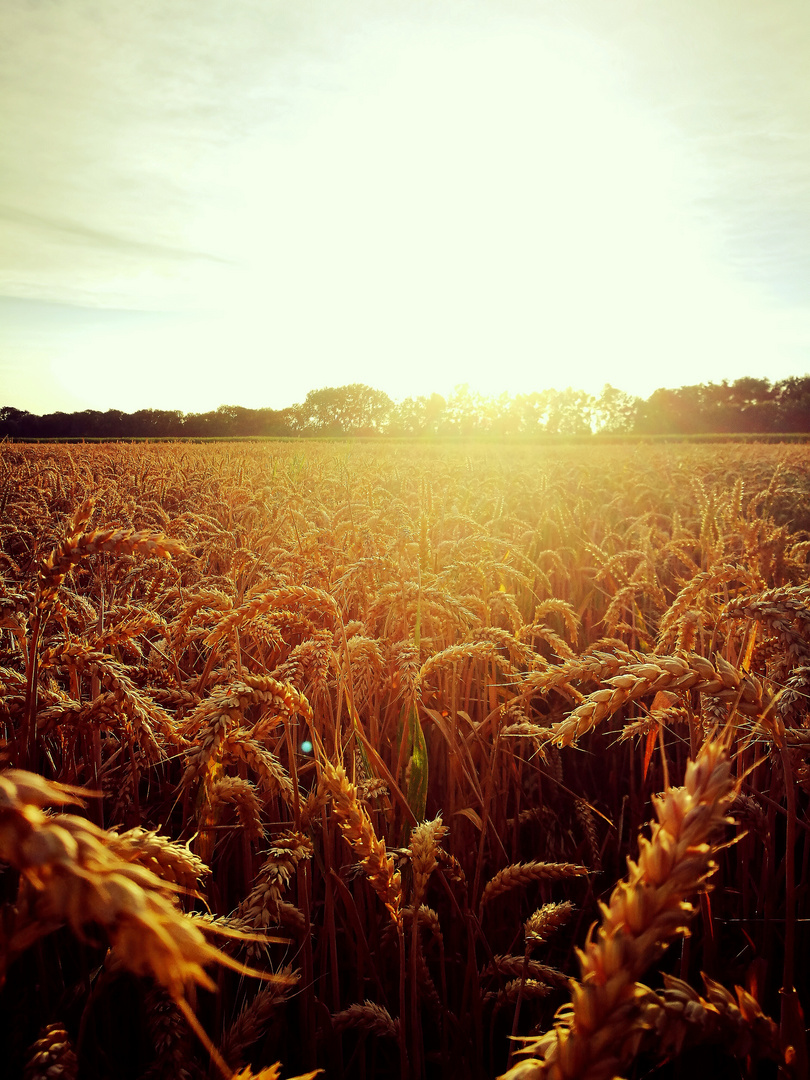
(357, 828)
(52, 1055)
(598, 1034)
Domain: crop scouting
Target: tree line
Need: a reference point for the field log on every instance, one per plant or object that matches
(746, 406)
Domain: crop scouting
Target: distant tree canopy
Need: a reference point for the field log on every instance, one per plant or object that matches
(344, 410)
(746, 406)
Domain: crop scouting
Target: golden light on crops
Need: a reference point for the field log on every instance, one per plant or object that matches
(371, 730)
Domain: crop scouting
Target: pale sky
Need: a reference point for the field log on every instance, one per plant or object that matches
(208, 202)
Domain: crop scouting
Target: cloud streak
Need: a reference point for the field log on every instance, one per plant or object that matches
(103, 239)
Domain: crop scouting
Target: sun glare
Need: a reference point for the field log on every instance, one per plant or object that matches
(436, 206)
(481, 209)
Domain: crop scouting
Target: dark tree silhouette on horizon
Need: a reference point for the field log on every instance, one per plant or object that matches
(749, 406)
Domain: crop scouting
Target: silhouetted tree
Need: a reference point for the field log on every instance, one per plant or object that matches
(465, 412)
(15, 423)
(615, 412)
(345, 410)
(417, 416)
(570, 413)
(793, 403)
(748, 405)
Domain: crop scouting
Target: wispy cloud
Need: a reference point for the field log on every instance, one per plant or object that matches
(101, 238)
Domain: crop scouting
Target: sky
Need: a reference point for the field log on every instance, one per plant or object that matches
(208, 202)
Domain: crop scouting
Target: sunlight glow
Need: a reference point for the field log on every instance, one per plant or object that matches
(455, 206)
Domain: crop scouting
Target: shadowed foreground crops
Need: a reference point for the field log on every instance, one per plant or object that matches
(363, 737)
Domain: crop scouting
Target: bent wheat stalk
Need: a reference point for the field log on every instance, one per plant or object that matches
(71, 872)
(677, 674)
(598, 1034)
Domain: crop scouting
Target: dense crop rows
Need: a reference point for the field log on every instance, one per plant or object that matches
(375, 731)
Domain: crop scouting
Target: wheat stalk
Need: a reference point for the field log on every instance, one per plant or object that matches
(670, 673)
(52, 1055)
(599, 1033)
(519, 875)
(358, 830)
(368, 1017)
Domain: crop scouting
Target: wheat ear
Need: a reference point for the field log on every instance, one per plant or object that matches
(597, 1035)
(358, 830)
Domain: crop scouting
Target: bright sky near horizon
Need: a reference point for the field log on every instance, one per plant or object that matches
(237, 201)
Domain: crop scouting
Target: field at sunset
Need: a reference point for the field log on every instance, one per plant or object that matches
(366, 735)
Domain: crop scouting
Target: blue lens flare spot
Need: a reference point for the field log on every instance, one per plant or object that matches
(306, 747)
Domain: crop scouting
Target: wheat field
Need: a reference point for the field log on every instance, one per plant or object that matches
(404, 760)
